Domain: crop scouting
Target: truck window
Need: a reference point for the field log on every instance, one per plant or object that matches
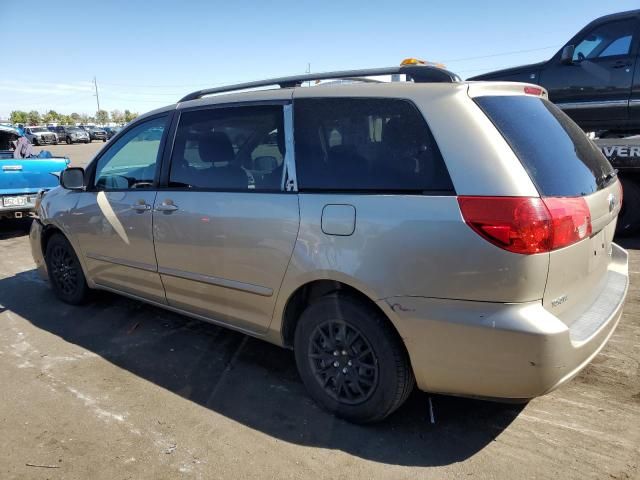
(610, 39)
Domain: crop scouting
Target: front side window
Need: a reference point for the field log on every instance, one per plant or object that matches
(131, 161)
(611, 39)
(239, 149)
(366, 144)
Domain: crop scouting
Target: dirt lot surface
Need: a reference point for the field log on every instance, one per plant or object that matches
(117, 390)
(79, 153)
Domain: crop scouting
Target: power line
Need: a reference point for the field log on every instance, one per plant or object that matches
(500, 54)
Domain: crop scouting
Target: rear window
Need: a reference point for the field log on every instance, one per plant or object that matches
(366, 145)
(558, 156)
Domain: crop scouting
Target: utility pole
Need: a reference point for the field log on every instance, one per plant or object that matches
(95, 84)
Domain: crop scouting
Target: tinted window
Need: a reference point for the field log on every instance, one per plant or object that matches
(607, 40)
(366, 145)
(131, 161)
(240, 148)
(556, 153)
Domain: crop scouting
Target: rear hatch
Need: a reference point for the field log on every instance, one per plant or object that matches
(25, 175)
(567, 169)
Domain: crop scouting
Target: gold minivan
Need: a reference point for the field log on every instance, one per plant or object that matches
(457, 235)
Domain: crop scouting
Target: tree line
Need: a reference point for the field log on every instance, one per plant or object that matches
(101, 117)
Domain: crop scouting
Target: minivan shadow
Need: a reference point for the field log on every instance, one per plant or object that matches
(250, 381)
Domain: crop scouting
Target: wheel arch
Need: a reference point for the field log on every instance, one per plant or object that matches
(310, 291)
(48, 231)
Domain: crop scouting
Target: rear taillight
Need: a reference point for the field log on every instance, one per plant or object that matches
(527, 225)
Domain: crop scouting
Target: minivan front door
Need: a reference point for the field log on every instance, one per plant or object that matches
(112, 221)
(595, 88)
(224, 229)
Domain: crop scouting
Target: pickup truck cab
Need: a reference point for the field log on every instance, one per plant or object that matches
(594, 77)
(21, 179)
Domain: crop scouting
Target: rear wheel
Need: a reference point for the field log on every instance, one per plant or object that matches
(65, 273)
(69, 141)
(629, 217)
(351, 360)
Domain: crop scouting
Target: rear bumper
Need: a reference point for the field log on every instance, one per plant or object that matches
(505, 351)
(17, 211)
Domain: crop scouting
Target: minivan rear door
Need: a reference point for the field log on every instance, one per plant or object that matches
(224, 228)
(563, 163)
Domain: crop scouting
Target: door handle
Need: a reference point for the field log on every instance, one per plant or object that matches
(141, 207)
(621, 64)
(167, 206)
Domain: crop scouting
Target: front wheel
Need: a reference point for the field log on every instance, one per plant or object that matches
(69, 141)
(351, 359)
(65, 273)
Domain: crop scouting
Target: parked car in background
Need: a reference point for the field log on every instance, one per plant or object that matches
(97, 133)
(363, 233)
(22, 178)
(111, 131)
(40, 136)
(71, 134)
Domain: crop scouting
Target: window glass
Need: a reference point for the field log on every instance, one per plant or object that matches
(240, 148)
(556, 153)
(366, 144)
(131, 161)
(606, 40)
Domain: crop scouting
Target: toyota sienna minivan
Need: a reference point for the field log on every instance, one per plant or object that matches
(454, 235)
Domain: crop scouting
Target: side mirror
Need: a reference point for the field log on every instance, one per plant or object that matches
(72, 178)
(566, 58)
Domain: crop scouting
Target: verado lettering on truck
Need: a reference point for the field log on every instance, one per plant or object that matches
(615, 151)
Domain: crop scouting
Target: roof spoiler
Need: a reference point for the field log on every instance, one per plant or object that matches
(417, 73)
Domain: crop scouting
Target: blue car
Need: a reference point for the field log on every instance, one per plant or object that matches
(22, 178)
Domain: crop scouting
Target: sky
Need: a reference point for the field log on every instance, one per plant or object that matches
(146, 54)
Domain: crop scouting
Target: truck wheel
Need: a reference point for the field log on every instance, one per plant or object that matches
(629, 217)
(34, 141)
(69, 141)
(351, 360)
(65, 273)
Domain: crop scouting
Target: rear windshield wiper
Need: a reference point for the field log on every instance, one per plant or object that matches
(605, 178)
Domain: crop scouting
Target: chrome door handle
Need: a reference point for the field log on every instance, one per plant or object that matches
(141, 207)
(166, 207)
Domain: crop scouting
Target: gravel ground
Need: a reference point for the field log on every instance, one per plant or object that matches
(79, 153)
(117, 389)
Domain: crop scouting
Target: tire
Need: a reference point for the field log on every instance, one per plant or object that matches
(104, 140)
(373, 358)
(34, 141)
(69, 141)
(65, 273)
(629, 217)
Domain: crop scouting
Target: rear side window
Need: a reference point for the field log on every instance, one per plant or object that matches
(237, 149)
(558, 156)
(366, 144)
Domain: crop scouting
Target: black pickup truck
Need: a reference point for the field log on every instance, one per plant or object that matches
(595, 79)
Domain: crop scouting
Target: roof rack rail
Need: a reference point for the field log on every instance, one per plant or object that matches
(417, 73)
